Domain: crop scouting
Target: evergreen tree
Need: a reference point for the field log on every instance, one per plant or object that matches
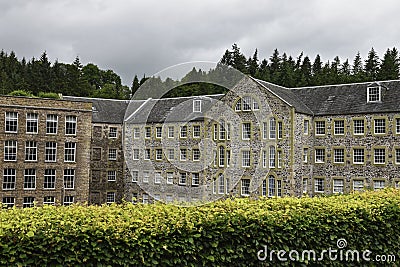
(317, 71)
(252, 64)
(357, 72)
(275, 67)
(389, 69)
(372, 65)
(135, 85)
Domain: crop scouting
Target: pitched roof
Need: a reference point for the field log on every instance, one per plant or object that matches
(172, 109)
(286, 95)
(106, 110)
(349, 98)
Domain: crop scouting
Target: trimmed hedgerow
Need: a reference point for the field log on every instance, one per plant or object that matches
(223, 233)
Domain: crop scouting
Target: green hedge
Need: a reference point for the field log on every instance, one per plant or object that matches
(223, 233)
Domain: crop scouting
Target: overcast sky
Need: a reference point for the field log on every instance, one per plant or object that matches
(144, 37)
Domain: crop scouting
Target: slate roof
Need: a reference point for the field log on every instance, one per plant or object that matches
(172, 109)
(287, 95)
(349, 98)
(106, 110)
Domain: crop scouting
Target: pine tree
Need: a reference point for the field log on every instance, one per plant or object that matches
(317, 71)
(389, 69)
(275, 67)
(252, 64)
(357, 72)
(372, 65)
(135, 85)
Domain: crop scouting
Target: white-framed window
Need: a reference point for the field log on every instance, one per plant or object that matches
(264, 130)
(49, 181)
(221, 184)
(28, 202)
(215, 131)
(70, 125)
(319, 185)
(135, 154)
(157, 178)
(183, 154)
(338, 186)
(358, 185)
(379, 126)
(397, 125)
(136, 133)
(228, 131)
(246, 131)
(9, 202)
(157, 197)
(69, 151)
(306, 127)
(195, 178)
(196, 105)
(245, 187)
(49, 200)
(245, 158)
(145, 198)
(246, 103)
(171, 131)
(31, 123)
(338, 155)
(227, 185)
(221, 155)
(50, 152)
(214, 186)
(29, 179)
(171, 154)
(319, 155)
(238, 106)
(379, 156)
(182, 178)
(379, 184)
(11, 122)
(305, 155)
(113, 131)
(135, 176)
(30, 151)
(305, 185)
(147, 132)
(183, 131)
(256, 106)
(280, 130)
(159, 154)
(271, 186)
(147, 154)
(214, 158)
(68, 200)
(170, 177)
(146, 177)
(279, 158)
(222, 131)
(272, 157)
(10, 150)
(397, 156)
(272, 128)
(110, 198)
(196, 154)
(358, 155)
(264, 188)
(320, 128)
(111, 176)
(374, 94)
(168, 198)
(69, 178)
(9, 179)
(228, 157)
(279, 188)
(264, 158)
(358, 127)
(196, 131)
(51, 124)
(338, 127)
(158, 132)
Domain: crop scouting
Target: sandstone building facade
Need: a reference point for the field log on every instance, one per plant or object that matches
(259, 139)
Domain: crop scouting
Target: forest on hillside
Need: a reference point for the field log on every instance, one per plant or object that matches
(41, 77)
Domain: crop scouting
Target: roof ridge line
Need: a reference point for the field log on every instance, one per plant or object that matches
(139, 108)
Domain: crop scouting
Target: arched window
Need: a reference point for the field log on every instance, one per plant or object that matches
(272, 157)
(221, 184)
(222, 130)
(271, 186)
(272, 128)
